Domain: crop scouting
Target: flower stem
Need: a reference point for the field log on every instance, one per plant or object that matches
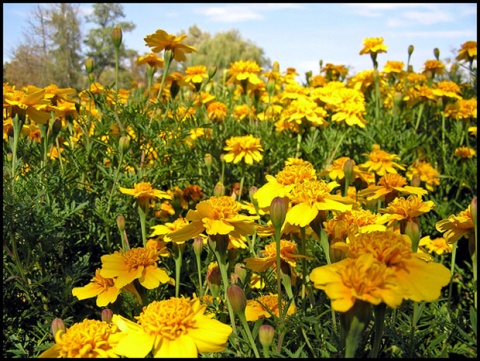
(143, 221)
(242, 318)
(452, 270)
(378, 326)
(178, 253)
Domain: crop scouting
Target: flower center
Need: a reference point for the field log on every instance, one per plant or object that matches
(168, 318)
(224, 207)
(296, 173)
(310, 191)
(136, 257)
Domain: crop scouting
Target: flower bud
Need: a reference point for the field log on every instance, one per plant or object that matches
(240, 271)
(89, 65)
(214, 278)
(278, 211)
(412, 229)
(124, 143)
(436, 53)
(237, 298)
(117, 37)
(208, 160)
(57, 325)
(121, 223)
(411, 48)
(198, 245)
(416, 181)
(212, 71)
(107, 315)
(56, 127)
(265, 335)
(219, 190)
(276, 66)
(270, 87)
(348, 169)
(473, 210)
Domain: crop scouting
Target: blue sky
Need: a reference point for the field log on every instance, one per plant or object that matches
(296, 35)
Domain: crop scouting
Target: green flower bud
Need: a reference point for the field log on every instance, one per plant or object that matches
(237, 298)
(278, 211)
(117, 37)
(265, 335)
(107, 315)
(89, 65)
(57, 325)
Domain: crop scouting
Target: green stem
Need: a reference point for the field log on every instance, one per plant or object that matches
(304, 261)
(241, 316)
(378, 326)
(419, 116)
(452, 270)
(178, 253)
(143, 224)
(199, 271)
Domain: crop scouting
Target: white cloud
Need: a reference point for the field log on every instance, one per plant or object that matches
(244, 12)
(435, 34)
(377, 10)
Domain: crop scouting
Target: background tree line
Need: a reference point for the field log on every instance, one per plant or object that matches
(54, 48)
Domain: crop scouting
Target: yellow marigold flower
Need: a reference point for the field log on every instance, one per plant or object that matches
(216, 215)
(151, 59)
(296, 161)
(161, 40)
(447, 89)
(163, 230)
(438, 245)
(468, 51)
(473, 130)
(304, 111)
(244, 72)
(457, 226)
(381, 162)
(362, 81)
(435, 67)
(144, 192)
(136, 263)
(350, 108)
(362, 278)
(373, 46)
(318, 81)
(242, 111)
(390, 184)
(196, 75)
(246, 148)
(311, 197)
(336, 171)
(217, 111)
(288, 256)
(265, 306)
(429, 175)
(463, 109)
(30, 102)
(393, 67)
(419, 279)
(283, 182)
(334, 72)
(178, 327)
(403, 210)
(465, 152)
(293, 91)
(86, 339)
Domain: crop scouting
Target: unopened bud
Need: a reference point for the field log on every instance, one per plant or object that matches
(56, 127)
(121, 223)
(270, 86)
(412, 229)
(411, 48)
(198, 245)
(219, 190)
(416, 181)
(174, 89)
(473, 210)
(436, 53)
(214, 278)
(212, 71)
(348, 169)
(265, 335)
(276, 66)
(117, 37)
(124, 144)
(208, 160)
(89, 65)
(278, 211)
(240, 271)
(107, 315)
(57, 325)
(237, 298)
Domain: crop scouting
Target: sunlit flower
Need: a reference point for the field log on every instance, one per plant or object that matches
(465, 152)
(305, 112)
(334, 72)
(394, 67)
(402, 210)
(381, 162)
(438, 245)
(283, 182)
(244, 72)
(136, 263)
(463, 109)
(162, 231)
(336, 171)
(86, 339)
(473, 130)
(151, 59)
(390, 184)
(30, 102)
(311, 197)
(362, 81)
(196, 75)
(435, 67)
(217, 111)
(161, 40)
(448, 89)
(288, 256)
(468, 51)
(266, 306)
(373, 46)
(102, 288)
(216, 215)
(350, 108)
(144, 192)
(178, 327)
(243, 111)
(429, 175)
(456, 226)
(246, 148)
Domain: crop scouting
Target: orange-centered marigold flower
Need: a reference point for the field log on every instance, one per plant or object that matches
(244, 71)
(373, 46)
(392, 185)
(144, 192)
(161, 40)
(245, 147)
(102, 288)
(216, 215)
(86, 339)
(457, 226)
(136, 263)
(178, 327)
(381, 162)
(468, 52)
(265, 306)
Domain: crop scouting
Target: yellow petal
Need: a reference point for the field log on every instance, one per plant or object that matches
(301, 215)
(183, 346)
(88, 291)
(211, 335)
(136, 344)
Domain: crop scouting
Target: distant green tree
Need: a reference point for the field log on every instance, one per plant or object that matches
(106, 17)
(221, 49)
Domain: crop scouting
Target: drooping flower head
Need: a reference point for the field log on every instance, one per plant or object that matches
(468, 52)
(389, 187)
(102, 288)
(177, 327)
(216, 216)
(246, 148)
(465, 152)
(86, 339)
(457, 226)
(161, 40)
(152, 60)
(437, 245)
(144, 192)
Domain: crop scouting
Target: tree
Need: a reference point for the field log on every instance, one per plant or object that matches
(222, 49)
(98, 40)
